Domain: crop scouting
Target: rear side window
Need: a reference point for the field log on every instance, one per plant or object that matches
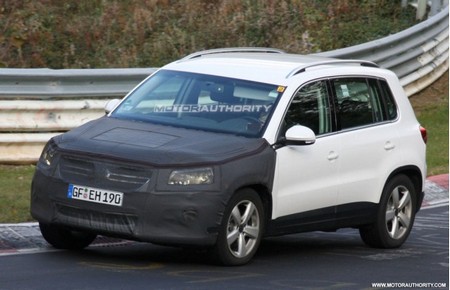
(389, 103)
(362, 102)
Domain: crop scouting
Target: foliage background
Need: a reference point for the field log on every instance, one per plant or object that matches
(150, 33)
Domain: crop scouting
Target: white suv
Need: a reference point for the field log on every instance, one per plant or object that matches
(225, 147)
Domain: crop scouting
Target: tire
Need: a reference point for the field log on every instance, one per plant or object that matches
(64, 238)
(395, 216)
(241, 230)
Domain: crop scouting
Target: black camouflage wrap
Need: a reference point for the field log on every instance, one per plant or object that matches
(144, 155)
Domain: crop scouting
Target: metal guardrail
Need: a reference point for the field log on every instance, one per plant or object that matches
(45, 84)
(36, 104)
(418, 55)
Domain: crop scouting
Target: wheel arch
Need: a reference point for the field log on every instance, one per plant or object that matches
(415, 175)
(266, 198)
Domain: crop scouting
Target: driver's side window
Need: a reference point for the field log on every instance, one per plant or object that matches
(311, 108)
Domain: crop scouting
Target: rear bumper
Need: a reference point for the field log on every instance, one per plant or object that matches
(187, 218)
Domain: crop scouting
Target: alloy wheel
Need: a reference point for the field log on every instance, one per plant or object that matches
(243, 229)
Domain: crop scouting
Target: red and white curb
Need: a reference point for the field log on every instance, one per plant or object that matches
(436, 191)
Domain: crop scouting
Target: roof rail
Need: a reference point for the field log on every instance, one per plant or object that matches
(303, 68)
(233, 50)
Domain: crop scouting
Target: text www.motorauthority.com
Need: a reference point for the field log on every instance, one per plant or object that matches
(409, 285)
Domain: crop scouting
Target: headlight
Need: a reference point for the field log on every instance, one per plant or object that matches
(191, 176)
(48, 154)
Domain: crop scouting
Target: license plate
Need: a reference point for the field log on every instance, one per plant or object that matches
(97, 195)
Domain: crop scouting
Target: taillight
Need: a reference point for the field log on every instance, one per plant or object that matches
(423, 132)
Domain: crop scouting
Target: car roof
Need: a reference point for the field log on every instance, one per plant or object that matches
(255, 64)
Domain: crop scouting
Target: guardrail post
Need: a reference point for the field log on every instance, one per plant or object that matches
(421, 9)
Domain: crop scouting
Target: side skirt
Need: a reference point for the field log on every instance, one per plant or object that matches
(324, 219)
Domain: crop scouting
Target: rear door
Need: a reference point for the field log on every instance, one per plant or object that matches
(368, 139)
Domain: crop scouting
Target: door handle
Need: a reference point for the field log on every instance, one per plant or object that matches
(332, 156)
(389, 146)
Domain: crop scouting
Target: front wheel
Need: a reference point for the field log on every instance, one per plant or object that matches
(395, 215)
(241, 230)
(65, 238)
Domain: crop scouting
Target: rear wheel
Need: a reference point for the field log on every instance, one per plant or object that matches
(395, 215)
(64, 238)
(241, 230)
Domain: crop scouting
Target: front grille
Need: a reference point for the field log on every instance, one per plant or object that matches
(119, 224)
(126, 175)
(76, 167)
(101, 174)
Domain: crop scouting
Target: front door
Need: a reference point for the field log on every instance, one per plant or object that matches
(306, 176)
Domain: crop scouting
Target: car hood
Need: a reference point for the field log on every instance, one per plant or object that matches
(154, 144)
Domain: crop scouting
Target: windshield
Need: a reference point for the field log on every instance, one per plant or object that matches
(202, 102)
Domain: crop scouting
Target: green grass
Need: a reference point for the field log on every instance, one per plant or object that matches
(436, 122)
(15, 183)
(431, 108)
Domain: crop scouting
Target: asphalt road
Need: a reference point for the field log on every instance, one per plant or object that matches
(304, 261)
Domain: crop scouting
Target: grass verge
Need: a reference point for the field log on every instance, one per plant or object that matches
(431, 107)
(15, 183)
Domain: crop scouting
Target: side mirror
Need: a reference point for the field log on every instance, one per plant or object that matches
(110, 105)
(300, 135)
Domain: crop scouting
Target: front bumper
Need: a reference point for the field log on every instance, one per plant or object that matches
(171, 218)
